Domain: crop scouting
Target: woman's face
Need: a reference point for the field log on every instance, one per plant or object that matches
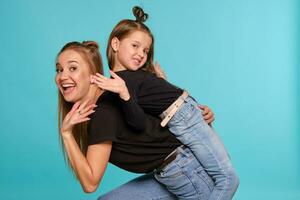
(73, 76)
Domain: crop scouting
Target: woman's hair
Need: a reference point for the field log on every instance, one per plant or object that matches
(126, 27)
(89, 51)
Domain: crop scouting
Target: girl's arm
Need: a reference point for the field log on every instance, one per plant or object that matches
(89, 169)
(207, 113)
(134, 114)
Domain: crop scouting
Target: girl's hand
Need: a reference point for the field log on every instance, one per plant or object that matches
(159, 72)
(115, 84)
(207, 113)
(79, 113)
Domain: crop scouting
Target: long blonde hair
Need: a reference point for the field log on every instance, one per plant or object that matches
(126, 27)
(89, 51)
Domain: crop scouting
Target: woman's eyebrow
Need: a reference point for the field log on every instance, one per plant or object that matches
(70, 61)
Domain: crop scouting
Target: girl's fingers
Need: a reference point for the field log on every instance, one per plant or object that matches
(100, 76)
(114, 75)
(99, 79)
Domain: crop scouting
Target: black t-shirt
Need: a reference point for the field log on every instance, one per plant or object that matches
(152, 93)
(134, 151)
(148, 94)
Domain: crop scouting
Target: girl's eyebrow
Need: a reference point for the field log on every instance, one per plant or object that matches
(136, 41)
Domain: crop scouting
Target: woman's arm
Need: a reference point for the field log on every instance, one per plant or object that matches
(89, 169)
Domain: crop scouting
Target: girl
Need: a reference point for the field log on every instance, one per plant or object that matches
(107, 138)
(130, 54)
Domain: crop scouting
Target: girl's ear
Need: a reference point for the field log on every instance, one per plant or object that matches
(115, 42)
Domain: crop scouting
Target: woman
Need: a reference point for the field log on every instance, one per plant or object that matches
(107, 138)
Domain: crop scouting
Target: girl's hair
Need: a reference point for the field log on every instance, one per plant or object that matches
(89, 51)
(126, 27)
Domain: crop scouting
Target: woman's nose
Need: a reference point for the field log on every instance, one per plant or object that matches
(63, 75)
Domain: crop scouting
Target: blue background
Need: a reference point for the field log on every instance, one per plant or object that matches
(240, 57)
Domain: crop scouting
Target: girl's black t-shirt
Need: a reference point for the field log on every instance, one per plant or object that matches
(134, 151)
(149, 94)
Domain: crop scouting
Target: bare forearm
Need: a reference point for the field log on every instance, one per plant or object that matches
(80, 164)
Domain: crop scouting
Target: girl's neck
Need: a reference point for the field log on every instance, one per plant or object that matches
(117, 68)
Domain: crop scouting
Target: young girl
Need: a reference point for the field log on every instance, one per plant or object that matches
(130, 54)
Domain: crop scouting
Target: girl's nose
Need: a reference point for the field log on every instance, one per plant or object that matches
(141, 53)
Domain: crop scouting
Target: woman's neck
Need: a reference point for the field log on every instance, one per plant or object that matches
(94, 93)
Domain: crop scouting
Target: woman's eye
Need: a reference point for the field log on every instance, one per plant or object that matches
(72, 68)
(58, 70)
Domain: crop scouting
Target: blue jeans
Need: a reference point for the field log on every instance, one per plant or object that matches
(189, 126)
(142, 188)
(185, 169)
(185, 177)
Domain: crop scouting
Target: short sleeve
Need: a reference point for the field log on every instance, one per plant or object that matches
(103, 125)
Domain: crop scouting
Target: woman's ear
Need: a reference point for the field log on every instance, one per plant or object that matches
(115, 42)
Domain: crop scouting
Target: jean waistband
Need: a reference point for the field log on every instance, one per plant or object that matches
(171, 157)
(171, 110)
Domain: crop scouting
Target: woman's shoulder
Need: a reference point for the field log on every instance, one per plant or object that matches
(107, 105)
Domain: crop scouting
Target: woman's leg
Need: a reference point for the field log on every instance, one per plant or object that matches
(144, 187)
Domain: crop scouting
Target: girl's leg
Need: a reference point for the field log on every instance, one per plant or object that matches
(191, 129)
(144, 187)
(185, 177)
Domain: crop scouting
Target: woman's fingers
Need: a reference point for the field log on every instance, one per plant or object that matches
(86, 109)
(73, 110)
(207, 113)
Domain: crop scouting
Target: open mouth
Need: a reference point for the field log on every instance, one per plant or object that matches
(67, 87)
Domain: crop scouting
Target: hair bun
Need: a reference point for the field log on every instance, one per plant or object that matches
(139, 14)
(91, 44)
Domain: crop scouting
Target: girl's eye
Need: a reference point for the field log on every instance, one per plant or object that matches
(135, 45)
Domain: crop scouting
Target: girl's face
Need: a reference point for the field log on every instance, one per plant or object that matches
(73, 76)
(131, 53)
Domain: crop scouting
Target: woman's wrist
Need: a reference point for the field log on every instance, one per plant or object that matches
(66, 134)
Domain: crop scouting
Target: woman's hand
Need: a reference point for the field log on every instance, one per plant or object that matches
(207, 113)
(115, 84)
(79, 113)
(158, 71)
